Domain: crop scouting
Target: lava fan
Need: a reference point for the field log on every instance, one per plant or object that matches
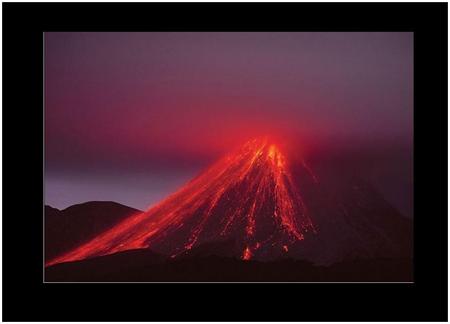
(248, 197)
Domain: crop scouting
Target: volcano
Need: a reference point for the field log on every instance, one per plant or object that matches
(256, 204)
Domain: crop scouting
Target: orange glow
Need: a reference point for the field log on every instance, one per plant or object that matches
(247, 254)
(232, 199)
(272, 152)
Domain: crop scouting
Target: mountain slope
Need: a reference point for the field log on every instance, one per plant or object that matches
(269, 207)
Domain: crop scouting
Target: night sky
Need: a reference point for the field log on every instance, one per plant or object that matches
(130, 117)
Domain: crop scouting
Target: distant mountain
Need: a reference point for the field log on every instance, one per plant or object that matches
(68, 228)
(262, 206)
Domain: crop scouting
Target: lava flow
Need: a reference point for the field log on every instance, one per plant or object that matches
(248, 197)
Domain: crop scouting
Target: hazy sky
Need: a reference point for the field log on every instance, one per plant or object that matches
(129, 117)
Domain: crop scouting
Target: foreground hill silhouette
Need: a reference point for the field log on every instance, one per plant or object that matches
(145, 266)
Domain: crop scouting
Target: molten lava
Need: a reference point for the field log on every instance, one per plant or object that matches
(248, 197)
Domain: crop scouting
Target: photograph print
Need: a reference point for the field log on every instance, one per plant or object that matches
(228, 157)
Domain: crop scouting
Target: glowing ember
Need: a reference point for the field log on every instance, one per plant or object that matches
(247, 254)
(248, 197)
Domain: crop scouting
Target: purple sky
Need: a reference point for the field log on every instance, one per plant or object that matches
(130, 117)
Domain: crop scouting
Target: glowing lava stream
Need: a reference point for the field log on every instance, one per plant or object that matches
(248, 197)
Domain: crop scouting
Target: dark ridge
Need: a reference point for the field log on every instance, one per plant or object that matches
(67, 228)
(145, 266)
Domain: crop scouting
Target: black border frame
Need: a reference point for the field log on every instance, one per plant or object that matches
(23, 287)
